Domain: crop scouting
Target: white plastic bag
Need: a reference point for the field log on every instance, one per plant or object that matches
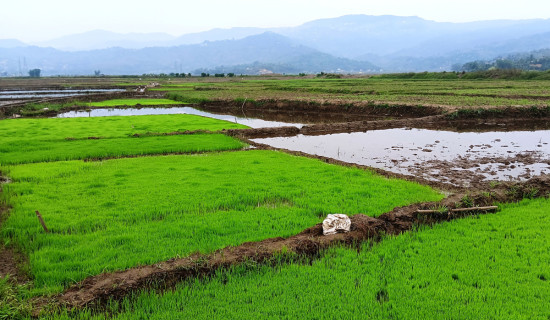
(336, 223)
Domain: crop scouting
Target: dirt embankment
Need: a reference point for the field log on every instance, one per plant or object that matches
(96, 290)
(360, 109)
(10, 265)
(438, 122)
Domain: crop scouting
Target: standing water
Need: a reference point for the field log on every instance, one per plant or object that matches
(251, 122)
(434, 155)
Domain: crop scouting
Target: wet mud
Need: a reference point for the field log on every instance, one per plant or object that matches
(10, 265)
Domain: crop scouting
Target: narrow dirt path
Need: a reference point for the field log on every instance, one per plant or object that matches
(10, 263)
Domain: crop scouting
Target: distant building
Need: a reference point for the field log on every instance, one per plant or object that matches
(264, 72)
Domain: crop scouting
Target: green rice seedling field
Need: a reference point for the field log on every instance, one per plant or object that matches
(57, 150)
(487, 267)
(38, 140)
(117, 214)
(106, 127)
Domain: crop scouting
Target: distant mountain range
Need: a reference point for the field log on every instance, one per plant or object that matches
(354, 43)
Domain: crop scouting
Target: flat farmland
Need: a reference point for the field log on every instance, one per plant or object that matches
(185, 216)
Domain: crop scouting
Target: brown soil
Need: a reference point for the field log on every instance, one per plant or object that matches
(360, 109)
(10, 265)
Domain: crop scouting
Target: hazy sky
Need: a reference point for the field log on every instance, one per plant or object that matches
(34, 20)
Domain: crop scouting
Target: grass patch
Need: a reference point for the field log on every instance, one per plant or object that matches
(12, 300)
(43, 151)
(117, 214)
(487, 267)
(132, 102)
(38, 140)
(18, 130)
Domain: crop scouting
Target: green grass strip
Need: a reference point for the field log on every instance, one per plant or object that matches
(117, 214)
(18, 130)
(44, 151)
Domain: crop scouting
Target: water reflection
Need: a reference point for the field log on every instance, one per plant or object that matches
(251, 122)
(434, 155)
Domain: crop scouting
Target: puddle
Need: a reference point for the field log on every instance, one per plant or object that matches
(251, 122)
(453, 157)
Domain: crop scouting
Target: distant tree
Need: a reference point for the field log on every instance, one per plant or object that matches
(504, 64)
(189, 74)
(457, 67)
(230, 74)
(219, 75)
(475, 66)
(204, 74)
(97, 73)
(34, 73)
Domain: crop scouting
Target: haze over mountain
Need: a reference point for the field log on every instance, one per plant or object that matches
(101, 39)
(11, 43)
(264, 48)
(353, 43)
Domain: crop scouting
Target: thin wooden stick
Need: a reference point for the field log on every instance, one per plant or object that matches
(42, 221)
(461, 209)
(427, 211)
(475, 209)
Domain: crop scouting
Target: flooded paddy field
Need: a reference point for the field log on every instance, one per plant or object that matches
(109, 112)
(453, 157)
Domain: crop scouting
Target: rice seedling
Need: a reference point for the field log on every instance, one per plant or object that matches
(37, 140)
(45, 151)
(486, 267)
(117, 214)
(105, 127)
